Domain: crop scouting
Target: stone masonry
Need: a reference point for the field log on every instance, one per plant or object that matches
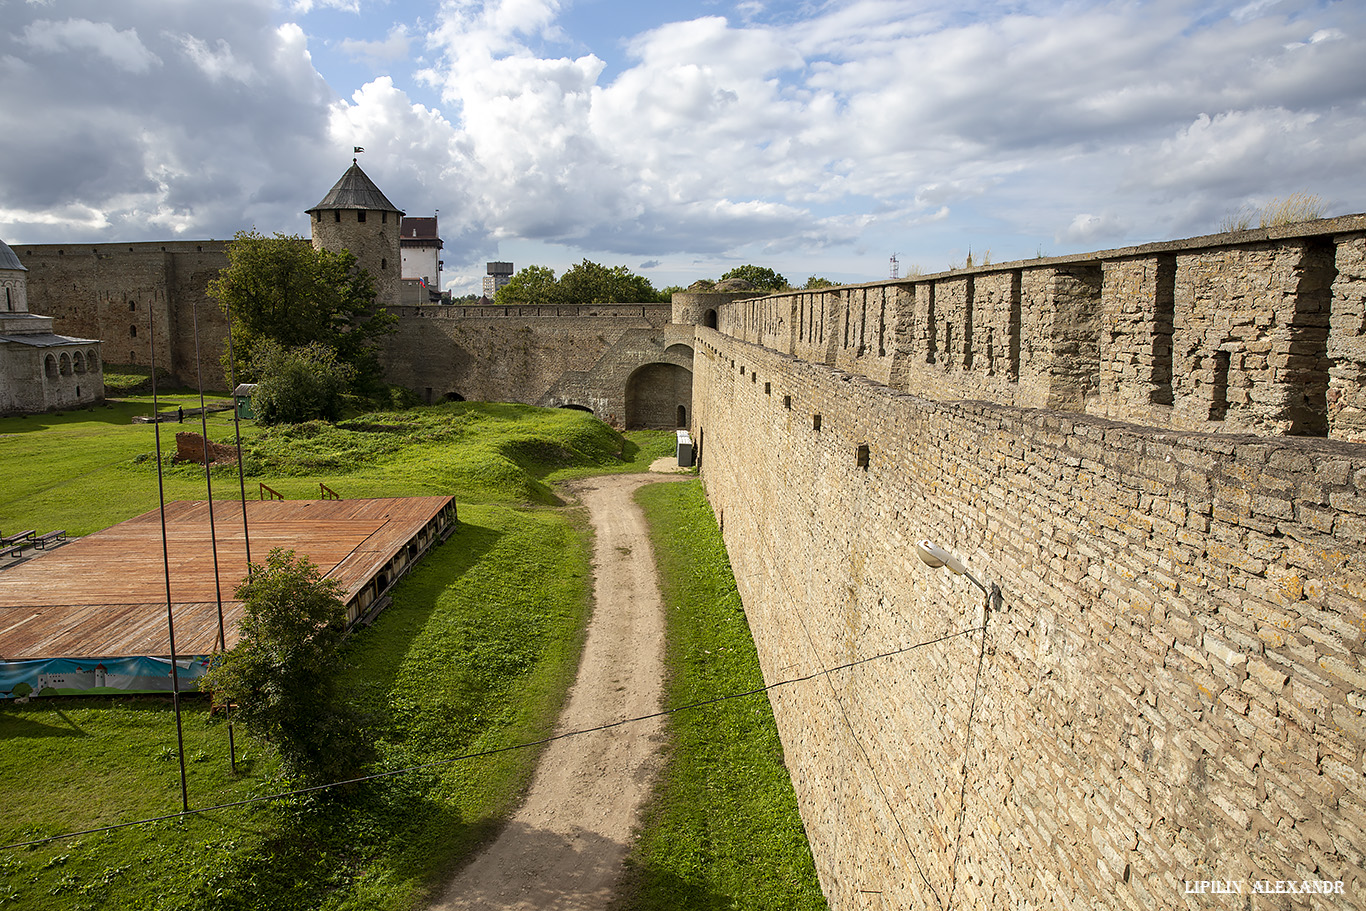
(1171, 689)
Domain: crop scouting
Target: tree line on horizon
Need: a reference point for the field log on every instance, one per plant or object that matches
(593, 283)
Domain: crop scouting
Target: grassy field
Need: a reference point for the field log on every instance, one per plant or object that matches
(722, 830)
(86, 470)
(475, 653)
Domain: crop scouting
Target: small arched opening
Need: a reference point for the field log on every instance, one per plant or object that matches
(453, 397)
(654, 394)
(50, 367)
(78, 362)
(66, 364)
(709, 319)
(682, 417)
(572, 407)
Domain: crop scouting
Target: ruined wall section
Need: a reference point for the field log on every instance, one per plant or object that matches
(1172, 689)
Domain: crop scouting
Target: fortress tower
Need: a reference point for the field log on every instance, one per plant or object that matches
(356, 216)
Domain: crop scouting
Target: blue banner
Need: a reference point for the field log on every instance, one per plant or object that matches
(92, 676)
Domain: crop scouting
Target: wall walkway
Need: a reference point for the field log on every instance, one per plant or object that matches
(1173, 687)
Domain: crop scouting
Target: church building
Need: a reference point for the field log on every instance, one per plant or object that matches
(40, 370)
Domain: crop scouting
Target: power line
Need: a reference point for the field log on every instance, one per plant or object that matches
(391, 773)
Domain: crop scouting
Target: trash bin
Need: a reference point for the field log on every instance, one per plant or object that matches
(684, 449)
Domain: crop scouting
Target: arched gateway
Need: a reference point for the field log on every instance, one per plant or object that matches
(656, 395)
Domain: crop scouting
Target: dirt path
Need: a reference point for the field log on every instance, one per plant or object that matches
(564, 848)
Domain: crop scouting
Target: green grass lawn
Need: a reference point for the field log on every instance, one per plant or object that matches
(86, 470)
(722, 830)
(476, 653)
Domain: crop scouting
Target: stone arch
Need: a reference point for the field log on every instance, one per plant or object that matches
(653, 394)
(573, 407)
(66, 364)
(78, 362)
(453, 397)
(50, 367)
(92, 361)
(709, 319)
(679, 350)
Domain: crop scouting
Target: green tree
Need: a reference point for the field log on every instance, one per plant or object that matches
(760, 277)
(298, 384)
(281, 675)
(279, 289)
(814, 284)
(534, 285)
(594, 283)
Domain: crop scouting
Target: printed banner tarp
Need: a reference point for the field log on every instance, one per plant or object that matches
(68, 676)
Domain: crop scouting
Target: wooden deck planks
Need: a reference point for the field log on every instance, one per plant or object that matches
(105, 595)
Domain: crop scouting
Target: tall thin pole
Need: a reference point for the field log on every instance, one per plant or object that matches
(213, 533)
(166, 565)
(242, 490)
(237, 429)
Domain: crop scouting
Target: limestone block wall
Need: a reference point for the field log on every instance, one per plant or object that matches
(1257, 331)
(1171, 690)
(1346, 395)
(536, 355)
(372, 236)
(116, 292)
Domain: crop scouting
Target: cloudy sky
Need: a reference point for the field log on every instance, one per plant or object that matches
(682, 138)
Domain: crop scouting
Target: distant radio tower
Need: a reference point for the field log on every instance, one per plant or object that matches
(896, 267)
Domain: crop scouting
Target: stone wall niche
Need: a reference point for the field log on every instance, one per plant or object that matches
(1250, 346)
(1345, 399)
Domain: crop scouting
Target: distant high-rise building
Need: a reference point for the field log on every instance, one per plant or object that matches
(499, 274)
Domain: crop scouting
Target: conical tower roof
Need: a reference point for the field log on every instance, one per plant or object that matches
(355, 191)
(8, 258)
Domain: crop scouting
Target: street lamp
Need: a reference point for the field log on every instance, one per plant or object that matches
(934, 556)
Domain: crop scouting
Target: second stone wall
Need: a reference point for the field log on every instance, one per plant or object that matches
(1171, 689)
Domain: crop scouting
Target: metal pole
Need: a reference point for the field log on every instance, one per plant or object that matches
(166, 565)
(213, 534)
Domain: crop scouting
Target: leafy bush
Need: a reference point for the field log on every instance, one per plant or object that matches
(298, 384)
(280, 675)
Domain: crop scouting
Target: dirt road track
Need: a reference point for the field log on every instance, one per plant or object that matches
(564, 848)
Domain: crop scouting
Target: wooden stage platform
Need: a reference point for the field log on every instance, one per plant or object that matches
(104, 595)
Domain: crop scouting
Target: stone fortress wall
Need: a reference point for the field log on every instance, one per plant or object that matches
(1172, 686)
(627, 363)
(117, 292)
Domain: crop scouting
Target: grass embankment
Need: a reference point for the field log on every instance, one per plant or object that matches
(722, 830)
(475, 653)
(86, 470)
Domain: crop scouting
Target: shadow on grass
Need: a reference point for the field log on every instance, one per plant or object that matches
(579, 869)
(668, 892)
(14, 724)
(118, 413)
(388, 641)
